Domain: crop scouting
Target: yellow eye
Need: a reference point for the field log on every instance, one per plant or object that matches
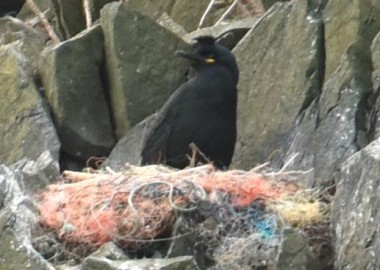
(209, 60)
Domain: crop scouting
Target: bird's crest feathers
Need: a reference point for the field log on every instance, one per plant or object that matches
(205, 40)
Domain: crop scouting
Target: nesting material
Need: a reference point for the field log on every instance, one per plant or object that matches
(299, 213)
(140, 203)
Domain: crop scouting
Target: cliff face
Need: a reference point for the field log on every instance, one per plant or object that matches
(83, 80)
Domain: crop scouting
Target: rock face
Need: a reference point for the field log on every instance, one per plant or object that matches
(269, 3)
(72, 15)
(316, 105)
(277, 83)
(375, 49)
(357, 17)
(129, 147)
(24, 38)
(338, 123)
(178, 10)
(75, 93)
(183, 262)
(308, 99)
(22, 112)
(68, 15)
(355, 212)
(16, 219)
(142, 68)
(189, 20)
(228, 34)
(294, 253)
(39, 173)
(153, 9)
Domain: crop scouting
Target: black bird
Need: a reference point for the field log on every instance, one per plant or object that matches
(202, 111)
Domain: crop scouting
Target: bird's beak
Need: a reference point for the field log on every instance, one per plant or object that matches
(190, 56)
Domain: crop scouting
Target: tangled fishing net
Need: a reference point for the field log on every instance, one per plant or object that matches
(231, 216)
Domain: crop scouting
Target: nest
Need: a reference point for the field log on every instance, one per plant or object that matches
(141, 204)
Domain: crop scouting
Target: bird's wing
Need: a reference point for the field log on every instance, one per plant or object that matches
(158, 135)
(155, 144)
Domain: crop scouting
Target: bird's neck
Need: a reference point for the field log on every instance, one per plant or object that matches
(219, 71)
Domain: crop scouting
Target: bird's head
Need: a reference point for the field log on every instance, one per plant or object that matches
(208, 53)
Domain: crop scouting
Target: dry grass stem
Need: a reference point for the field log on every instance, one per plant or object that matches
(207, 11)
(34, 8)
(87, 13)
(227, 12)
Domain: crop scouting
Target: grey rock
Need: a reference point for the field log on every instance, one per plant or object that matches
(129, 147)
(110, 251)
(70, 73)
(96, 6)
(39, 173)
(49, 9)
(344, 26)
(2, 190)
(152, 9)
(142, 68)
(178, 10)
(166, 21)
(72, 15)
(25, 12)
(16, 220)
(279, 61)
(338, 123)
(267, 4)
(355, 211)
(376, 61)
(49, 247)
(294, 253)
(16, 254)
(66, 16)
(375, 50)
(249, 252)
(68, 267)
(188, 243)
(26, 129)
(323, 142)
(228, 34)
(191, 20)
(106, 257)
(99, 263)
(25, 38)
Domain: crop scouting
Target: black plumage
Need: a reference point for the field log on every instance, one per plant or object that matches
(201, 111)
